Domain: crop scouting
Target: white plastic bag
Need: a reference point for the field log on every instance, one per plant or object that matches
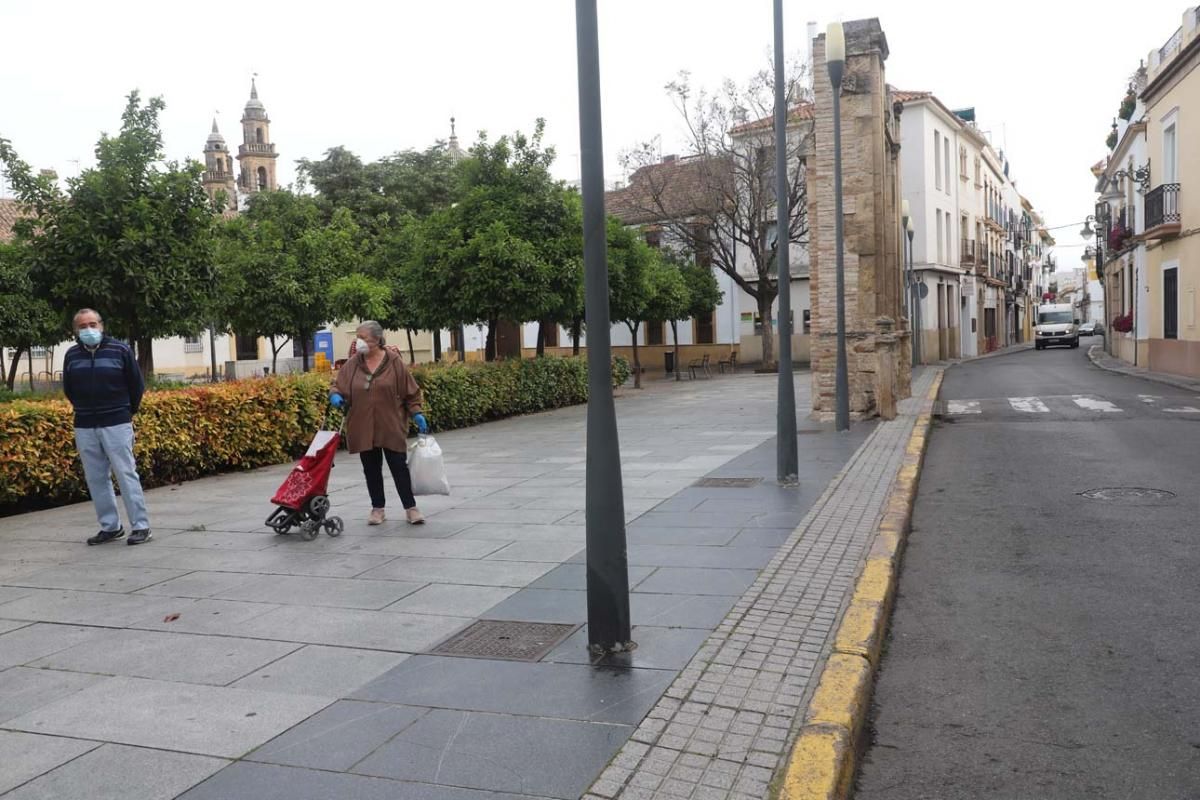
(425, 466)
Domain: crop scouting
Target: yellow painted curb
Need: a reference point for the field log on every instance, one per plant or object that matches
(861, 631)
(821, 766)
(842, 695)
(822, 763)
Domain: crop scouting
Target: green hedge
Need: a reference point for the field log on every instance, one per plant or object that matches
(184, 434)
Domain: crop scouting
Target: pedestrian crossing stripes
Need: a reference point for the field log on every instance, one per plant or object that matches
(1030, 405)
(1075, 406)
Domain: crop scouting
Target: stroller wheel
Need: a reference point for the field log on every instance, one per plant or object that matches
(309, 529)
(334, 526)
(318, 506)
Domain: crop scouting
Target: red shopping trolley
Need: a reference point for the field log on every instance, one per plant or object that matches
(302, 500)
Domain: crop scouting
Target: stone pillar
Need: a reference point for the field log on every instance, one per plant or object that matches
(871, 206)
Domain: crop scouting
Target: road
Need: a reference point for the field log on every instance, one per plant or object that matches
(1046, 644)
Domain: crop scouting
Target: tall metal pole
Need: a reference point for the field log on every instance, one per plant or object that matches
(607, 559)
(842, 385)
(918, 353)
(912, 298)
(786, 456)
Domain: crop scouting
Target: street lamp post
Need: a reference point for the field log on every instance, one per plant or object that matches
(914, 294)
(786, 456)
(607, 559)
(908, 304)
(835, 59)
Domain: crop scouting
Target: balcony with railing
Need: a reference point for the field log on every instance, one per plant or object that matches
(1162, 212)
(254, 148)
(967, 253)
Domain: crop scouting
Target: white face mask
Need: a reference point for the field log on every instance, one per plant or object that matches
(362, 347)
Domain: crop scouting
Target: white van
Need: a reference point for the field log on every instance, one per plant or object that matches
(1056, 324)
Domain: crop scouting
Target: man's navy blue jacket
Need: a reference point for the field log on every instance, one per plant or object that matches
(104, 385)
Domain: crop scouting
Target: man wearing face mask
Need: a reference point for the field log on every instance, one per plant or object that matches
(380, 396)
(102, 380)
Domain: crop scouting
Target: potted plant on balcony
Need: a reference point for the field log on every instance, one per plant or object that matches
(1128, 105)
(1117, 237)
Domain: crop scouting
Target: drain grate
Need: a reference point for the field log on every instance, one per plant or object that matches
(728, 483)
(506, 640)
(1127, 494)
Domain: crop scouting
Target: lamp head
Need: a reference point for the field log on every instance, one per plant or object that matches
(835, 42)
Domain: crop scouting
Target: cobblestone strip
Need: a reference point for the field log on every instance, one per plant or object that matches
(722, 729)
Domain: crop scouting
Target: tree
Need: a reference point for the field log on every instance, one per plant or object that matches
(131, 237)
(501, 252)
(720, 202)
(27, 319)
(698, 295)
(386, 197)
(279, 262)
(669, 298)
(407, 183)
(633, 274)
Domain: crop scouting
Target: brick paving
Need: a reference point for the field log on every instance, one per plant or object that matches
(723, 727)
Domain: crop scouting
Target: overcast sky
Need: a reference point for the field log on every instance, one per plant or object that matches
(1046, 78)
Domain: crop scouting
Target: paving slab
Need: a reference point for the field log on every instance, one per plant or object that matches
(10, 569)
(574, 576)
(540, 689)
(215, 660)
(686, 580)
(542, 605)
(186, 615)
(294, 590)
(7, 625)
(452, 599)
(199, 585)
(321, 671)
(420, 548)
(373, 630)
(272, 782)
(35, 640)
(657, 648)
(25, 756)
(541, 757)
(643, 534)
(96, 579)
(678, 610)
(526, 533)
(23, 690)
(118, 772)
(452, 570)
(549, 552)
(273, 561)
(203, 720)
(730, 556)
(101, 609)
(339, 736)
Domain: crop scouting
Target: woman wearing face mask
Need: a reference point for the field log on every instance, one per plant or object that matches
(380, 394)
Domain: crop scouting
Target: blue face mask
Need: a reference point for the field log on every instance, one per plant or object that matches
(90, 337)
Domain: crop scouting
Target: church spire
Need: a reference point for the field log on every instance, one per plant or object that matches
(456, 153)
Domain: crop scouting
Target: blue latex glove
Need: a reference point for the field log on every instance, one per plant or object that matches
(422, 423)
(337, 401)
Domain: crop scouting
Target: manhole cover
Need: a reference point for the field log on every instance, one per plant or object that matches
(507, 640)
(728, 483)
(1120, 494)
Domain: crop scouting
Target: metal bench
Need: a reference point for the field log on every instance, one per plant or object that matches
(699, 365)
(730, 362)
